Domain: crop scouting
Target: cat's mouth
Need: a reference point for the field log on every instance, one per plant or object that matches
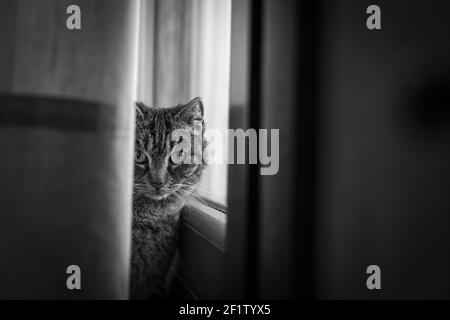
(157, 194)
(158, 197)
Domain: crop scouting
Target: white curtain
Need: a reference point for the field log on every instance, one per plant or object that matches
(210, 79)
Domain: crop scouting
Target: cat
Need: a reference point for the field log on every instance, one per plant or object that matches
(161, 189)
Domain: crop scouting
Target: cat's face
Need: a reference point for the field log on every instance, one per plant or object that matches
(156, 175)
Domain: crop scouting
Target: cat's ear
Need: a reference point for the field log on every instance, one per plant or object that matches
(190, 112)
(141, 109)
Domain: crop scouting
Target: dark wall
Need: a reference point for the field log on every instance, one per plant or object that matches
(384, 150)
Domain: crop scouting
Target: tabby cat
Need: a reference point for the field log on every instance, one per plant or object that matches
(161, 188)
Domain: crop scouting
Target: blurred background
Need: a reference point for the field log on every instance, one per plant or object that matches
(364, 144)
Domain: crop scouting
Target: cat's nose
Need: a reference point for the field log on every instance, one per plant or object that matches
(157, 185)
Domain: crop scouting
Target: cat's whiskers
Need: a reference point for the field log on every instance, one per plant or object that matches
(179, 197)
(203, 192)
(195, 189)
(191, 195)
(136, 194)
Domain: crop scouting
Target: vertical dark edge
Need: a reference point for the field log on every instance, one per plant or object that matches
(254, 123)
(238, 175)
(309, 115)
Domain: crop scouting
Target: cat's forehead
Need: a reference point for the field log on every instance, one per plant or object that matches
(157, 121)
(153, 130)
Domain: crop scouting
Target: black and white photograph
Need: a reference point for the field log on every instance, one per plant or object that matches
(217, 156)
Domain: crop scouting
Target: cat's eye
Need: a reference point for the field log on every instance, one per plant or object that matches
(139, 157)
(177, 157)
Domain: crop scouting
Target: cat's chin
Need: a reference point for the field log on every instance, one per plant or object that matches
(158, 197)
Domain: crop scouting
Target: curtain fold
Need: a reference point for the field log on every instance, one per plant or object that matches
(66, 140)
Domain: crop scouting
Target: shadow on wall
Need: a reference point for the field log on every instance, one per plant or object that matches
(427, 103)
